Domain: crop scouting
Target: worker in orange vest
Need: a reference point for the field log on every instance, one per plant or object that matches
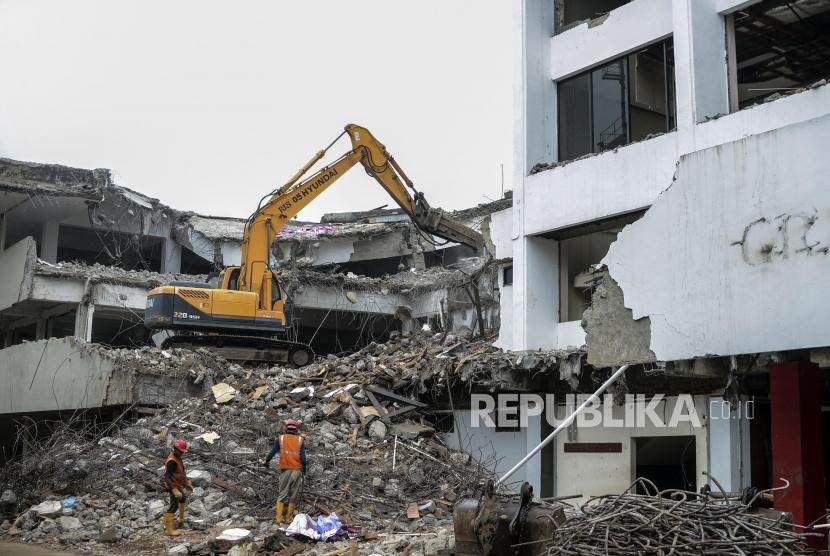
(177, 484)
(291, 447)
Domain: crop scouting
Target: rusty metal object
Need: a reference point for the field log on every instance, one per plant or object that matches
(493, 526)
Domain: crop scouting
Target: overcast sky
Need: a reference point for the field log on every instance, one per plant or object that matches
(207, 105)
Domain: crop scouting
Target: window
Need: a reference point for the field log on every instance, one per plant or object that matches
(574, 12)
(507, 276)
(776, 47)
(622, 101)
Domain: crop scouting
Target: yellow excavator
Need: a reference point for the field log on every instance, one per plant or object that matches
(243, 318)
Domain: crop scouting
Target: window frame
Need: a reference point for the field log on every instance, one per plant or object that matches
(668, 89)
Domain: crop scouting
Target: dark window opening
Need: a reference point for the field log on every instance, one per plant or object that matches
(119, 329)
(667, 461)
(194, 264)
(507, 412)
(777, 47)
(573, 12)
(507, 276)
(580, 248)
(128, 251)
(622, 101)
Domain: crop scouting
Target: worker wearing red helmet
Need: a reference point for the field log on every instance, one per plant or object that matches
(291, 447)
(177, 484)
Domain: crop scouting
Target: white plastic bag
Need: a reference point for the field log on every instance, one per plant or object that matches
(328, 527)
(303, 525)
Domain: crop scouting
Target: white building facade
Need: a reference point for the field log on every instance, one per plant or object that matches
(681, 145)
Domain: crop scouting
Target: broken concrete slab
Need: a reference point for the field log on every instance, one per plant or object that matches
(613, 336)
(726, 261)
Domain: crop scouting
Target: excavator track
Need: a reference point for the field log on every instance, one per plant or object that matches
(246, 348)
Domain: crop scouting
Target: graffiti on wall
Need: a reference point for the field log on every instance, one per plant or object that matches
(784, 236)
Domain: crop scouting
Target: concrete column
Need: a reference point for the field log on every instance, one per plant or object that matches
(702, 87)
(3, 220)
(83, 321)
(171, 256)
(40, 329)
(797, 449)
(49, 242)
(7, 337)
(729, 449)
(536, 299)
(533, 468)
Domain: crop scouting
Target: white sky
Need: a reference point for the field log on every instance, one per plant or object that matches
(207, 105)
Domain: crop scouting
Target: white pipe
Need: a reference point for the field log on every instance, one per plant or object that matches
(564, 424)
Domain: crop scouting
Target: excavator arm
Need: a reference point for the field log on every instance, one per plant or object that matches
(277, 208)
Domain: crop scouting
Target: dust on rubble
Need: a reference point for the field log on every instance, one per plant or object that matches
(101, 490)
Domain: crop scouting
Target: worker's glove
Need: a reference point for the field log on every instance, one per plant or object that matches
(190, 484)
(177, 493)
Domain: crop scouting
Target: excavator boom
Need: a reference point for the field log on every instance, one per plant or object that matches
(244, 317)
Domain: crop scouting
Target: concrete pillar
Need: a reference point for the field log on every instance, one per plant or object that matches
(3, 220)
(533, 468)
(49, 242)
(415, 260)
(701, 84)
(8, 336)
(83, 321)
(797, 448)
(536, 299)
(729, 449)
(171, 256)
(40, 329)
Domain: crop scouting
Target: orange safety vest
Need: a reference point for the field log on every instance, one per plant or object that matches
(179, 478)
(290, 445)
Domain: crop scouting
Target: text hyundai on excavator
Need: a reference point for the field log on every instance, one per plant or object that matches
(243, 318)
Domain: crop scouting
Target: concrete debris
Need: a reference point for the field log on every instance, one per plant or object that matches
(409, 282)
(223, 392)
(98, 273)
(347, 407)
(33, 178)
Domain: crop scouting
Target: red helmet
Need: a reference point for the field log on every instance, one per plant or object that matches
(292, 424)
(180, 445)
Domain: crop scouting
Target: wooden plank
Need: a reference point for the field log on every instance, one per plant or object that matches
(593, 447)
(382, 413)
(401, 411)
(394, 396)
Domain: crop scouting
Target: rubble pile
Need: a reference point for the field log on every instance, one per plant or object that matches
(374, 457)
(412, 281)
(111, 274)
(200, 365)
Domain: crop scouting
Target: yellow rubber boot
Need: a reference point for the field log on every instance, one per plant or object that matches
(290, 516)
(280, 510)
(168, 526)
(181, 514)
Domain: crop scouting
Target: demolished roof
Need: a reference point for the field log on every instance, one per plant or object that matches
(99, 273)
(53, 179)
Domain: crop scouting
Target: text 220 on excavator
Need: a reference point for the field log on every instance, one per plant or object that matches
(244, 318)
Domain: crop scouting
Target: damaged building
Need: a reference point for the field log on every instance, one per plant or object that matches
(671, 212)
(79, 252)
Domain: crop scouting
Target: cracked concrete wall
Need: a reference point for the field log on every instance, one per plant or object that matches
(56, 375)
(16, 265)
(732, 258)
(613, 336)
